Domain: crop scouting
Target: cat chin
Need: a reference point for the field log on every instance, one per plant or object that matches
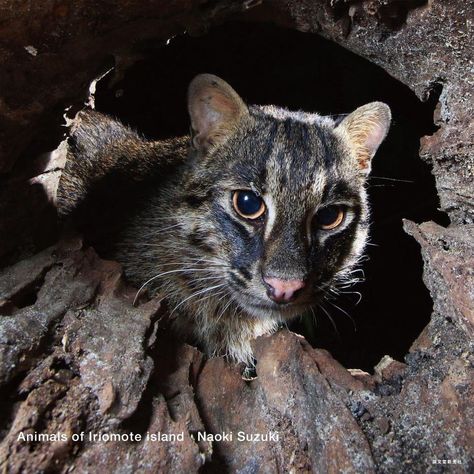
(272, 311)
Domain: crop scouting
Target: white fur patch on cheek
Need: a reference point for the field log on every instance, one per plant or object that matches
(271, 215)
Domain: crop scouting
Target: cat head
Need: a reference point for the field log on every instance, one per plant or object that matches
(278, 197)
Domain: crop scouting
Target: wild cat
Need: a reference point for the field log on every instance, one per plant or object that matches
(244, 224)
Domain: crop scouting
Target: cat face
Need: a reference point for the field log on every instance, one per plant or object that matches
(278, 197)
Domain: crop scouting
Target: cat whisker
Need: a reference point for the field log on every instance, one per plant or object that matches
(349, 283)
(211, 261)
(227, 293)
(392, 179)
(224, 308)
(346, 313)
(217, 277)
(162, 229)
(180, 270)
(358, 270)
(195, 262)
(359, 295)
(324, 289)
(174, 217)
(236, 310)
(197, 293)
(330, 319)
(347, 279)
(204, 265)
(337, 292)
(381, 186)
(212, 295)
(314, 317)
(198, 260)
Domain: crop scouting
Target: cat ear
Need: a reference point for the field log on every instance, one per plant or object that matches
(215, 110)
(364, 130)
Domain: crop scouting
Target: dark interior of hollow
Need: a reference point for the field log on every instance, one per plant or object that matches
(271, 65)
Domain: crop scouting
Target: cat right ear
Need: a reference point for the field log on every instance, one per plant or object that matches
(215, 110)
(364, 130)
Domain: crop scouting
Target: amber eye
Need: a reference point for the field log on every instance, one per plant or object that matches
(247, 204)
(330, 217)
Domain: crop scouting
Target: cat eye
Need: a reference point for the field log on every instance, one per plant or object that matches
(330, 217)
(248, 205)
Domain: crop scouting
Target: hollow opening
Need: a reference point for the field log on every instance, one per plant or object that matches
(271, 65)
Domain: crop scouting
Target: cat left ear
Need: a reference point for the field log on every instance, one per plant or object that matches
(215, 110)
(364, 130)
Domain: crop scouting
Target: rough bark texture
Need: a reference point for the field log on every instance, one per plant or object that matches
(76, 356)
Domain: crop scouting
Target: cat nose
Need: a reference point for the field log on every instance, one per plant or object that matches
(282, 291)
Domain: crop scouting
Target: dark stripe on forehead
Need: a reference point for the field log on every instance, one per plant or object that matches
(252, 165)
(270, 144)
(288, 128)
(279, 156)
(325, 149)
(271, 130)
(298, 154)
(295, 134)
(304, 156)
